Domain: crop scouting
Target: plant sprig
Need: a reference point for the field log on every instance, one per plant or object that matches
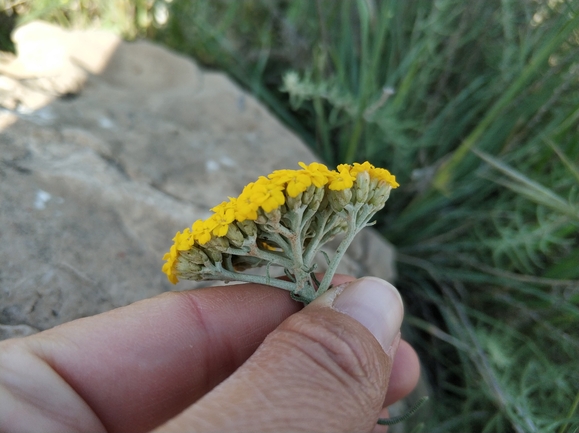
(282, 220)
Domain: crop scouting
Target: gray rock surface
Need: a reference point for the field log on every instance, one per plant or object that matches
(107, 148)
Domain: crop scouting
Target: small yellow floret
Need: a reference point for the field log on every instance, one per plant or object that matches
(295, 181)
(201, 232)
(385, 176)
(357, 168)
(184, 241)
(267, 194)
(318, 173)
(224, 215)
(342, 180)
(169, 267)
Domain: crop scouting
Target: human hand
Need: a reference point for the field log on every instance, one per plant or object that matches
(160, 360)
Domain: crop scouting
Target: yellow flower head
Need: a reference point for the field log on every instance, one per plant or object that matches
(224, 215)
(250, 218)
(295, 181)
(342, 180)
(184, 241)
(318, 173)
(246, 208)
(168, 268)
(202, 231)
(385, 176)
(267, 195)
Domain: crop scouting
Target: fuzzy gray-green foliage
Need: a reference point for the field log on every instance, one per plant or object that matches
(474, 106)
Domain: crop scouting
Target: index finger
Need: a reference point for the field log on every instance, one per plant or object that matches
(140, 365)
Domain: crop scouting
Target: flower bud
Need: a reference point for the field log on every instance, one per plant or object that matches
(324, 203)
(188, 270)
(248, 227)
(317, 198)
(380, 195)
(362, 187)
(261, 217)
(214, 255)
(374, 184)
(339, 199)
(219, 244)
(274, 216)
(195, 255)
(234, 235)
(294, 203)
(308, 194)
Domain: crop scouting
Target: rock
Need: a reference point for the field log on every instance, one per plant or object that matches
(107, 148)
(7, 331)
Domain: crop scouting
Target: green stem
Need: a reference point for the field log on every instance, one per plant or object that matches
(312, 248)
(304, 287)
(352, 231)
(320, 238)
(358, 217)
(224, 274)
(254, 251)
(295, 239)
(401, 418)
(278, 228)
(306, 219)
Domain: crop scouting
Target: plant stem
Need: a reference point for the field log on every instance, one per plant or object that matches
(224, 274)
(255, 251)
(353, 228)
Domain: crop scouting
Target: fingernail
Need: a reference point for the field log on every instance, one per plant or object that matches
(374, 303)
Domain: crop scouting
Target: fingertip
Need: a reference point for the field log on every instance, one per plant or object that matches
(405, 373)
(373, 302)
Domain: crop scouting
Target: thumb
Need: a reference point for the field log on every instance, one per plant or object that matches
(325, 368)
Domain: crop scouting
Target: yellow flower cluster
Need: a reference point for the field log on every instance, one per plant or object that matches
(268, 194)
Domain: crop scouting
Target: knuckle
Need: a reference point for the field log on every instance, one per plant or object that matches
(341, 354)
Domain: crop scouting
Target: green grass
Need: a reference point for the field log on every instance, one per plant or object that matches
(475, 107)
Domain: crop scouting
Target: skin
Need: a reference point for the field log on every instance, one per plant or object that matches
(158, 363)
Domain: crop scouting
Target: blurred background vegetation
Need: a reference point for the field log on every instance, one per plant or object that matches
(474, 106)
